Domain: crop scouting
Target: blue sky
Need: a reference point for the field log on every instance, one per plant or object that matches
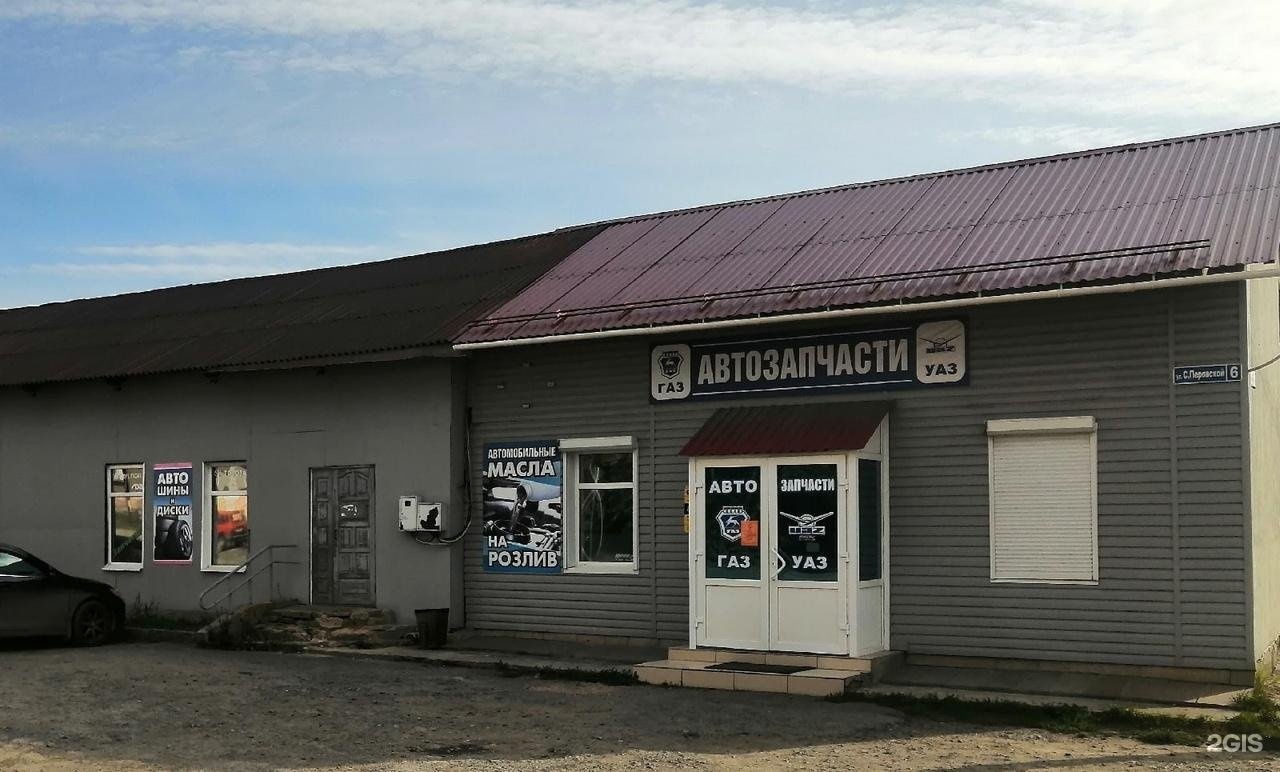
(146, 143)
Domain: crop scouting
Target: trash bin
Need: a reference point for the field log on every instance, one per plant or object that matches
(433, 627)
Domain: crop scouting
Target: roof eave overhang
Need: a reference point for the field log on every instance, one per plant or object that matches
(1145, 284)
(431, 351)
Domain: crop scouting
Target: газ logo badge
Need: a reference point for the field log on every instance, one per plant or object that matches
(669, 363)
(669, 376)
(730, 520)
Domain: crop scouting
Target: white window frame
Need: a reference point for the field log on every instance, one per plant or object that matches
(570, 449)
(208, 521)
(1042, 426)
(109, 565)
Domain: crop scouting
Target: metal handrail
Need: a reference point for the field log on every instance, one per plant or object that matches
(237, 573)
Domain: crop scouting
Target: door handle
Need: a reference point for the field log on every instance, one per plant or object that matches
(779, 564)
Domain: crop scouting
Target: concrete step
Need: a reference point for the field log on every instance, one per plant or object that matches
(875, 665)
(332, 617)
(814, 682)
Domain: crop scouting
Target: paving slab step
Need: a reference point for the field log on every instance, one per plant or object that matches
(813, 682)
(875, 664)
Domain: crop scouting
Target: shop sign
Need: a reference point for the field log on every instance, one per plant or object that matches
(1183, 376)
(523, 511)
(896, 356)
(172, 509)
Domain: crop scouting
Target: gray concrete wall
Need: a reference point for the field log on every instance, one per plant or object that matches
(1264, 460)
(400, 418)
(1172, 545)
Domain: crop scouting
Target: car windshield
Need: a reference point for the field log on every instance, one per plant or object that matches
(15, 565)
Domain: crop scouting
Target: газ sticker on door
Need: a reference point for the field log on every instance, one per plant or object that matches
(890, 356)
(733, 522)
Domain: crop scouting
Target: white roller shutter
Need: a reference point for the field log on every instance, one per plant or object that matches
(1043, 500)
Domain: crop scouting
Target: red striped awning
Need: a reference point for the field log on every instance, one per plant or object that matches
(811, 428)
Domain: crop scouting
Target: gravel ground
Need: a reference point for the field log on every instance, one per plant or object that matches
(166, 706)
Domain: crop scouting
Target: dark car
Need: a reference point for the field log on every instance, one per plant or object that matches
(37, 599)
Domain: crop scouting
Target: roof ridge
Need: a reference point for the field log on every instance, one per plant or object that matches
(1144, 144)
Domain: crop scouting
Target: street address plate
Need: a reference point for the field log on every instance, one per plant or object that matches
(1191, 374)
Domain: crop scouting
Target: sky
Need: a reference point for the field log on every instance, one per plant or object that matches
(149, 143)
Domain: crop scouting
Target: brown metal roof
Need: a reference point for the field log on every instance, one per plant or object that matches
(346, 312)
(807, 428)
(1208, 202)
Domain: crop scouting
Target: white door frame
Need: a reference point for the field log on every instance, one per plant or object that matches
(845, 563)
(697, 544)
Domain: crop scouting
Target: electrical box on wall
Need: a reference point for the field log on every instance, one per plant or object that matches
(417, 516)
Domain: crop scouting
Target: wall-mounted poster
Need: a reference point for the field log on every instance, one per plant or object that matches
(523, 507)
(172, 509)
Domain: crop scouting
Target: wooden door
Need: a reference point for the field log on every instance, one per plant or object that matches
(342, 523)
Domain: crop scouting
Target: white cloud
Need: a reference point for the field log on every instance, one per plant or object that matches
(166, 263)
(1056, 137)
(1118, 58)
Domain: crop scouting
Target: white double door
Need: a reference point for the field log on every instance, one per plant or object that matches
(771, 554)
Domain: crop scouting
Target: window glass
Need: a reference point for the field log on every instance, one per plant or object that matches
(869, 536)
(230, 477)
(125, 485)
(12, 565)
(126, 479)
(808, 498)
(603, 517)
(229, 506)
(605, 526)
(733, 522)
(604, 468)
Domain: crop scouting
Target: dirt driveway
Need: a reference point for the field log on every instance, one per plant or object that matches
(164, 706)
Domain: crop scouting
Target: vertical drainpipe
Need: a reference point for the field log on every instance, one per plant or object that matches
(1173, 484)
(653, 520)
(1246, 473)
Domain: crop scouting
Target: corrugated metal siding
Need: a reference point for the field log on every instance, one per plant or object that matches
(1104, 357)
(1209, 201)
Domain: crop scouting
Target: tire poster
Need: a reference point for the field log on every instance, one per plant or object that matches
(523, 508)
(172, 509)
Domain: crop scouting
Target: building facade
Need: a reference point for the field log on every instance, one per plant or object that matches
(205, 447)
(307, 460)
(1026, 411)
(1157, 571)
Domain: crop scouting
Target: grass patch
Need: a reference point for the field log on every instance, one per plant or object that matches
(612, 677)
(1259, 714)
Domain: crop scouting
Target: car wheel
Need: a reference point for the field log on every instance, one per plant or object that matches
(91, 625)
(184, 540)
